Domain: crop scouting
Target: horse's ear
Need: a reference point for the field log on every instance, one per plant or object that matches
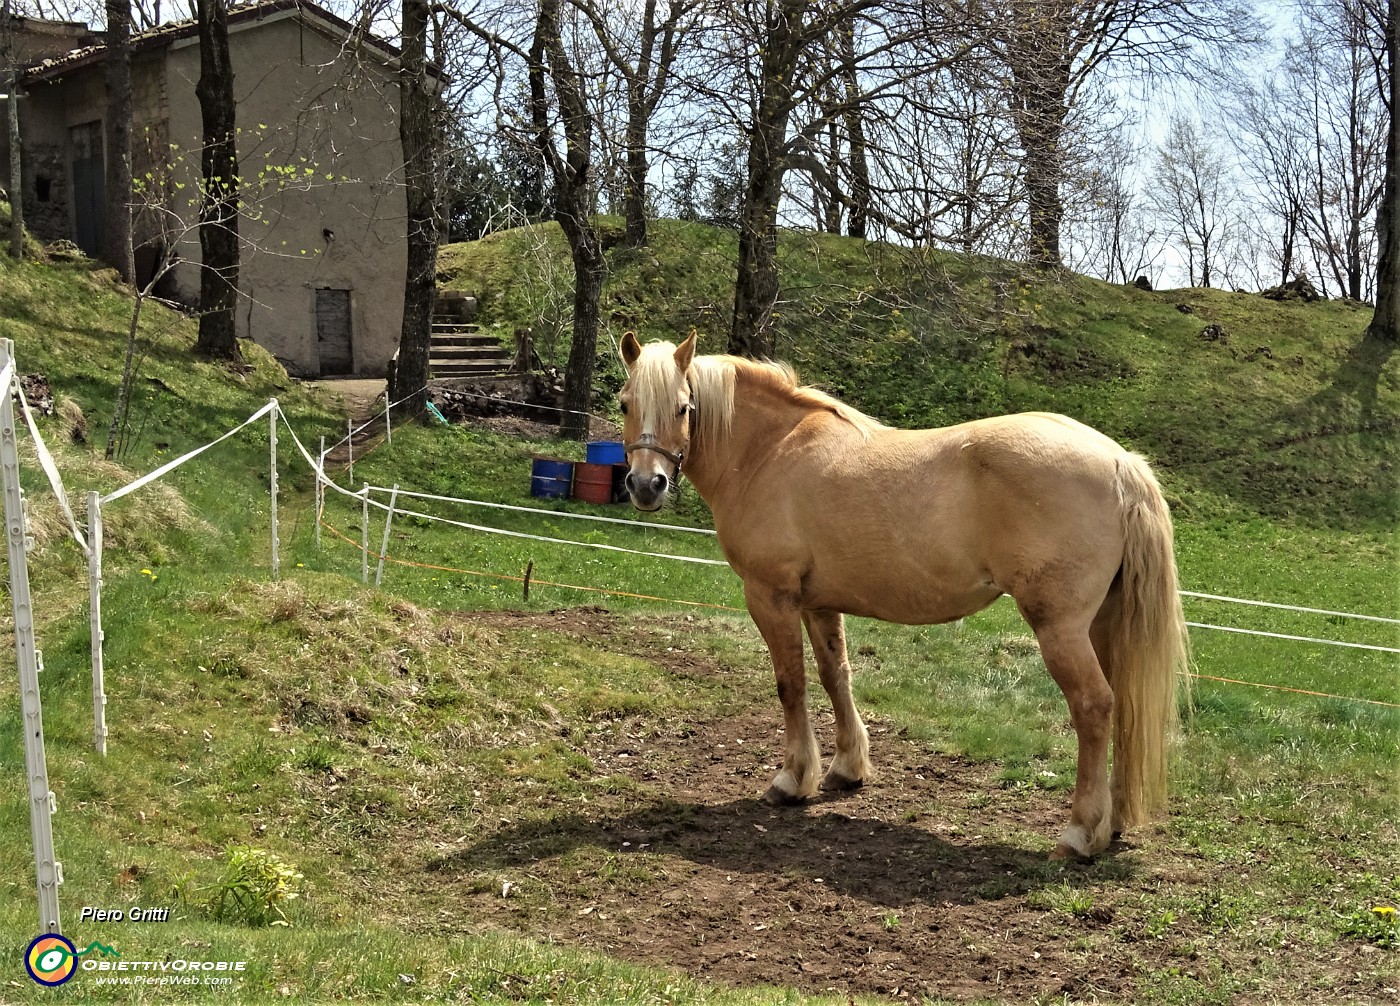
(685, 352)
(631, 349)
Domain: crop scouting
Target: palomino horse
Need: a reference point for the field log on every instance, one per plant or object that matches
(823, 511)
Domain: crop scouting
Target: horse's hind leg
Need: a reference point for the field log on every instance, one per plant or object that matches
(851, 766)
(1071, 660)
(1101, 634)
(782, 631)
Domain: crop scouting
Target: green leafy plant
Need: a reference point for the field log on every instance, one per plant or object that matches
(1379, 925)
(254, 889)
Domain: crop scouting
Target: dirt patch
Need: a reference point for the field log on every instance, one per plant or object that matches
(529, 429)
(915, 885)
(930, 882)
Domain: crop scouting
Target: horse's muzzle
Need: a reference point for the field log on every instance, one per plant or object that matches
(648, 492)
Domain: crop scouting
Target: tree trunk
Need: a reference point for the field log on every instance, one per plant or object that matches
(1040, 87)
(1042, 163)
(827, 204)
(634, 198)
(571, 172)
(751, 331)
(858, 221)
(1385, 323)
(416, 135)
(218, 215)
(16, 179)
(117, 225)
(590, 269)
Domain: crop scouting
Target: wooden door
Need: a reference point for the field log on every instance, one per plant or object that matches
(333, 335)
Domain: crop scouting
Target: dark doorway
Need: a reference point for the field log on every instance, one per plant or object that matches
(333, 332)
(88, 187)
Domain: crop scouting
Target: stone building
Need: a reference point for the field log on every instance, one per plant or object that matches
(323, 223)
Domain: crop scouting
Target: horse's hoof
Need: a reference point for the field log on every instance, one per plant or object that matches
(776, 797)
(1063, 852)
(837, 783)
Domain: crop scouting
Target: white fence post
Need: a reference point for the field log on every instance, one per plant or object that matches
(320, 490)
(384, 545)
(48, 871)
(388, 427)
(99, 691)
(364, 534)
(272, 439)
(350, 447)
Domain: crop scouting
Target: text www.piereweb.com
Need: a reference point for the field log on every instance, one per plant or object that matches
(157, 980)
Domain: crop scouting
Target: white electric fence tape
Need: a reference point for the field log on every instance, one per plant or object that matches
(550, 513)
(1301, 639)
(46, 461)
(1288, 607)
(540, 537)
(152, 476)
(363, 495)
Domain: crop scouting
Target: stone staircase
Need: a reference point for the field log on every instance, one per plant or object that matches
(458, 347)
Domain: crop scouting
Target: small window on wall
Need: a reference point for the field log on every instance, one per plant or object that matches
(43, 188)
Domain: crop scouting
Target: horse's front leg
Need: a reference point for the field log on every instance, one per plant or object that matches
(851, 766)
(780, 624)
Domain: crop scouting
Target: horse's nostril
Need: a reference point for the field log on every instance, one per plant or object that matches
(658, 484)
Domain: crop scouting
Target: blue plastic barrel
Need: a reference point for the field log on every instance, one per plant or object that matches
(605, 452)
(551, 478)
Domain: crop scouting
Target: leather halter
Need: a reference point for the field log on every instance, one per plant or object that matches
(647, 442)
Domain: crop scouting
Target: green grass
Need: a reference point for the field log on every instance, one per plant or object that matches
(357, 733)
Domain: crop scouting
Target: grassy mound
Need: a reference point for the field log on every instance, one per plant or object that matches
(1247, 406)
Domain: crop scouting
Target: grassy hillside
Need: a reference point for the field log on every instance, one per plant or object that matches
(1279, 409)
(497, 799)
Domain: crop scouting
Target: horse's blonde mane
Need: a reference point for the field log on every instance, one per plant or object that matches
(713, 380)
(782, 378)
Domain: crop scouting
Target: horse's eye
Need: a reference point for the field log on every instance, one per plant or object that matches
(683, 410)
(624, 408)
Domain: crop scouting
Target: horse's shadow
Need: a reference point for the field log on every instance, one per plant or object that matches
(879, 862)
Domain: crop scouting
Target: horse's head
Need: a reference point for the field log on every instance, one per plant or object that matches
(657, 421)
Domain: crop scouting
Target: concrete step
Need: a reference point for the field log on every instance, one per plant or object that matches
(453, 368)
(469, 352)
(465, 339)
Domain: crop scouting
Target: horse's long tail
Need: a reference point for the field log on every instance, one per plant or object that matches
(1147, 647)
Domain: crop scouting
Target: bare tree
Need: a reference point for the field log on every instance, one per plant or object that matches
(945, 170)
(116, 229)
(1052, 49)
(1385, 323)
(642, 52)
(1110, 230)
(419, 140)
(1269, 135)
(763, 65)
(556, 108)
(218, 231)
(9, 58)
(1331, 72)
(1192, 189)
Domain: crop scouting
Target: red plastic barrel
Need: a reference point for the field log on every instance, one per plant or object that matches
(593, 483)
